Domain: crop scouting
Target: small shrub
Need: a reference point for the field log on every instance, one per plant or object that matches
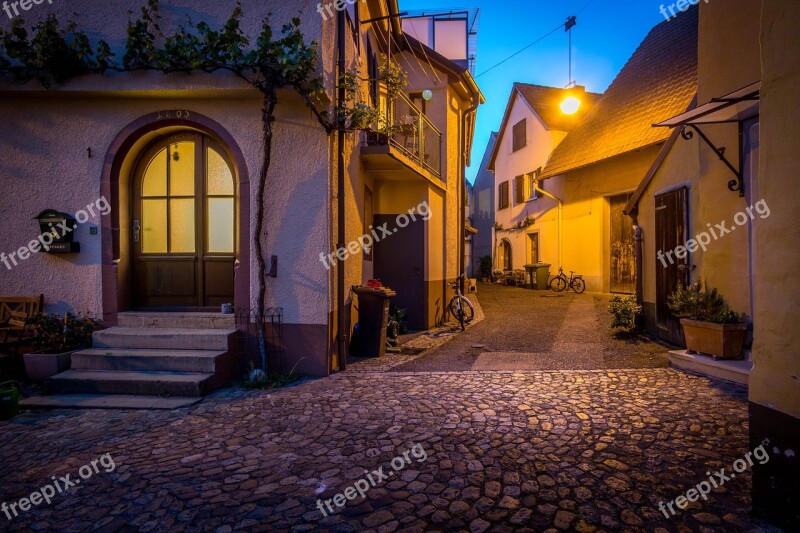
(624, 309)
(58, 334)
(697, 302)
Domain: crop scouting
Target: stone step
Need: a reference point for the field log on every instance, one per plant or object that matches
(135, 319)
(735, 371)
(163, 338)
(105, 401)
(174, 384)
(197, 361)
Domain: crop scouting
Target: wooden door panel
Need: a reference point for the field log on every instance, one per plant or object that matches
(166, 282)
(400, 264)
(218, 280)
(623, 259)
(672, 227)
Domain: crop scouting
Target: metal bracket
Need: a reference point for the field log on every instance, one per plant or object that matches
(733, 185)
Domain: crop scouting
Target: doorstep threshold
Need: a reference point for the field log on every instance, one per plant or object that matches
(735, 371)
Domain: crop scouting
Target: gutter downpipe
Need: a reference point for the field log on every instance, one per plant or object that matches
(560, 218)
(463, 185)
(341, 335)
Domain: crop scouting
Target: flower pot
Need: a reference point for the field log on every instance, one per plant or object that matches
(41, 365)
(721, 341)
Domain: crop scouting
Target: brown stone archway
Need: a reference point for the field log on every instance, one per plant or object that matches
(121, 155)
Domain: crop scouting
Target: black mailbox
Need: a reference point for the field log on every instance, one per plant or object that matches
(60, 228)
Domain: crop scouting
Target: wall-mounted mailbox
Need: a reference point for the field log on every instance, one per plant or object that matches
(61, 227)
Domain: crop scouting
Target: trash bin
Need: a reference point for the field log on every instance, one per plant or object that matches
(542, 276)
(539, 275)
(373, 319)
(9, 400)
(530, 273)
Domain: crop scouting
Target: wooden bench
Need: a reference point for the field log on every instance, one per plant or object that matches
(15, 312)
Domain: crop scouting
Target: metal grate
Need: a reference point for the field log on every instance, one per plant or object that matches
(259, 339)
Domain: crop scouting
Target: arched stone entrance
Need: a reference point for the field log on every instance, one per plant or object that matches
(117, 230)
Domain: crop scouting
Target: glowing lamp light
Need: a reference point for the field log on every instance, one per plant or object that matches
(570, 105)
(427, 95)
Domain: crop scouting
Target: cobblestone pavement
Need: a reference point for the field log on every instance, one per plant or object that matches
(540, 330)
(529, 451)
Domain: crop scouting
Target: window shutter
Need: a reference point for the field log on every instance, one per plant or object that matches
(519, 189)
(519, 134)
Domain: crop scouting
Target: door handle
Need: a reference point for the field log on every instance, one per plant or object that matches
(136, 228)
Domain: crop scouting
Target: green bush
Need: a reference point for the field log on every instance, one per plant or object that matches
(58, 334)
(624, 309)
(697, 302)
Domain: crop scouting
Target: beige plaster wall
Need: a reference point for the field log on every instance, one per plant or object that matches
(775, 380)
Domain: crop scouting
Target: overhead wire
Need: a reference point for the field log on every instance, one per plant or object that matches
(537, 41)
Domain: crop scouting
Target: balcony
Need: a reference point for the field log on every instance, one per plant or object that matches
(412, 150)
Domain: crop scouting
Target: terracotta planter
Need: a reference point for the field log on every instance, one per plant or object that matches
(721, 341)
(40, 366)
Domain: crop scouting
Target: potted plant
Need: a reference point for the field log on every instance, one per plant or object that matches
(56, 338)
(709, 324)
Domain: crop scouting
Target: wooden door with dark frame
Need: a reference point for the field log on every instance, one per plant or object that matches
(183, 206)
(672, 229)
(623, 259)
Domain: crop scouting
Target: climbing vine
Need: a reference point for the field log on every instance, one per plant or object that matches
(52, 55)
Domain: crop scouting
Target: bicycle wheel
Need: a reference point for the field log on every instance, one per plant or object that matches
(468, 310)
(558, 284)
(579, 285)
(456, 311)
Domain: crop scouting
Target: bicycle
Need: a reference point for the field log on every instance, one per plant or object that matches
(460, 306)
(561, 282)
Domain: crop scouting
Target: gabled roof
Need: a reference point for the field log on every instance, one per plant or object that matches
(545, 103)
(658, 82)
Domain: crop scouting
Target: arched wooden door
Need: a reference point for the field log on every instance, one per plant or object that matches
(183, 207)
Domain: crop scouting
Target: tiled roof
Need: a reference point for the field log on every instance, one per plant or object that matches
(546, 102)
(658, 82)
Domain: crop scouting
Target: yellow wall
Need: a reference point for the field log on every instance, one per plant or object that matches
(775, 380)
(727, 61)
(586, 215)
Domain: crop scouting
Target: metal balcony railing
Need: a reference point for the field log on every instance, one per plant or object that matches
(413, 134)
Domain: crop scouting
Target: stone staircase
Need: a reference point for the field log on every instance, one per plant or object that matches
(149, 359)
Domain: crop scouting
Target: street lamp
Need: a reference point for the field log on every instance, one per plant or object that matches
(571, 103)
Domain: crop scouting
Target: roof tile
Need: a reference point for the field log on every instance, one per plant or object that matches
(658, 82)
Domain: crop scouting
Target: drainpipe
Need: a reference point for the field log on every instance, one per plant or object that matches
(639, 253)
(463, 186)
(341, 337)
(560, 217)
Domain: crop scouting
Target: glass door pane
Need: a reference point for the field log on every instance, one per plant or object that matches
(220, 205)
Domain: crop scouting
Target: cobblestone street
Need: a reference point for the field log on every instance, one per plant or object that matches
(535, 451)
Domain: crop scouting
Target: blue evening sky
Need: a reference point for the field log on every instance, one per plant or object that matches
(606, 36)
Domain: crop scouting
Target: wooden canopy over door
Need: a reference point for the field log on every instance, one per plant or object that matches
(184, 232)
(672, 229)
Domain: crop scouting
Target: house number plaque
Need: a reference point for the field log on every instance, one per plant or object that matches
(178, 113)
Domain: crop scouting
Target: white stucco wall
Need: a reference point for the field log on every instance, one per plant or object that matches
(509, 165)
(44, 138)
